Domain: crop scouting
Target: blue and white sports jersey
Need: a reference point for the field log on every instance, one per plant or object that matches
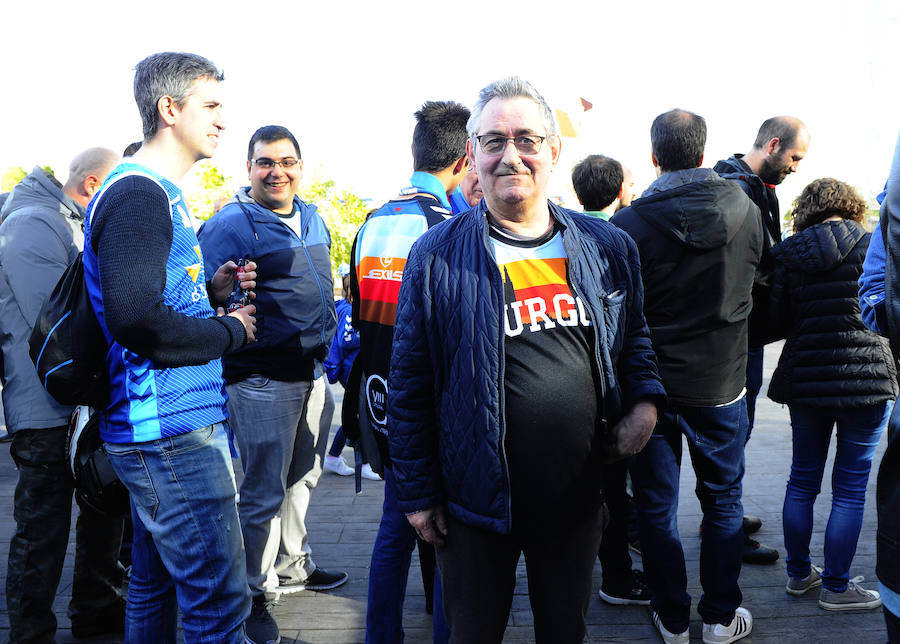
(147, 403)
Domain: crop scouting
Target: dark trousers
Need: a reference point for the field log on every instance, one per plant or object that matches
(754, 383)
(478, 574)
(613, 553)
(715, 438)
(43, 511)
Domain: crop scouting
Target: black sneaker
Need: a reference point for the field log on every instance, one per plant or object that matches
(751, 524)
(318, 580)
(260, 627)
(632, 591)
(756, 553)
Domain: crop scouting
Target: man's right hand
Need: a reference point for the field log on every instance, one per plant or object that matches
(430, 524)
(245, 315)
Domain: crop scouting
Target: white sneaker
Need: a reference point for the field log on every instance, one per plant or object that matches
(337, 465)
(369, 473)
(739, 627)
(668, 637)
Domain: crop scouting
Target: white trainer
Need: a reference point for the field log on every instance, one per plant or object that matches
(337, 465)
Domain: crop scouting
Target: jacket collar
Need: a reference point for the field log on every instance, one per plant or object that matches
(427, 182)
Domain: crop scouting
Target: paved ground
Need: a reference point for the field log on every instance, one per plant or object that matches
(342, 530)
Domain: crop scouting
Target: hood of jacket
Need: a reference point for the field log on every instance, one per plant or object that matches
(42, 189)
(732, 164)
(820, 247)
(695, 207)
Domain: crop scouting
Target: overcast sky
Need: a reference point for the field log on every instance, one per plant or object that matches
(346, 77)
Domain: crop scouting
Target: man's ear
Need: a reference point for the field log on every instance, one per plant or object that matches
(461, 165)
(167, 109)
(654, 160)
(91, 184)
(773, 145)
(701, 159)
(470, 153)
(555, 147)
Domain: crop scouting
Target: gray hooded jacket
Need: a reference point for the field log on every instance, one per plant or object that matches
(40, 234)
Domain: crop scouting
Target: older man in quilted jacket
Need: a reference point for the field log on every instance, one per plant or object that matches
(521, 361)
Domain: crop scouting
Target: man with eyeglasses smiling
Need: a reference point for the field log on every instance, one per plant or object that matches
(521, 361)
(278, 398)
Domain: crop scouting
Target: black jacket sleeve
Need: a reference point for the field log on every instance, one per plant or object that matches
(131, 233)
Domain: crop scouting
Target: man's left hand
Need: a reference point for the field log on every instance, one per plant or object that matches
(222, 282)
(630, 434)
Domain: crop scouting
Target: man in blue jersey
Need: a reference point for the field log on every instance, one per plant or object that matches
(378, 257)
(164, 424)
(278, 397)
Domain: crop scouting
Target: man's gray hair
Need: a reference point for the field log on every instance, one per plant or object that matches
(95, 161)
(511, 87)
(167, 74)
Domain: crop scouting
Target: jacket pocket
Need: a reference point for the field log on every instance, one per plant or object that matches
(613, 322)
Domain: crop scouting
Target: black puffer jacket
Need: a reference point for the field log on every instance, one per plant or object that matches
(830, 359)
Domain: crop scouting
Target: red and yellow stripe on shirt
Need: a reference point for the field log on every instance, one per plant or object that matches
(536, 273)
(379, 286)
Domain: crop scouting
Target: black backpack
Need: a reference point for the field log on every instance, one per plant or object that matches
(67, 345)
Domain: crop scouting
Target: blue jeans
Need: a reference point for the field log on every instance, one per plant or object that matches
(187, 539)
(858, 433)
(715, 438)
(388, 574)
(282, 431)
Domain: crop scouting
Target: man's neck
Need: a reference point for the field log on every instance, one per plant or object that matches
(530, 223)
(165, 156)
(754, 159)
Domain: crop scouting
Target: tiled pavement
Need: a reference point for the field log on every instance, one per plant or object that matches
(342, 529)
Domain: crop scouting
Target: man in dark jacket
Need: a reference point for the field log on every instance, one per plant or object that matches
(278, 397)
(519, 346)
(40, 236)
(780, 145)
(700, 240)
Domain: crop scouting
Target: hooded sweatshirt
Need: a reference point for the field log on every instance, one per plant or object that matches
(700, 241)
(40, 235)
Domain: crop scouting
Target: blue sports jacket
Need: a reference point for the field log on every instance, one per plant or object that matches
(294, 292)
(446, 401)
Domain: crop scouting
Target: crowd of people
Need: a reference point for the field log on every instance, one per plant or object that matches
(522, 376)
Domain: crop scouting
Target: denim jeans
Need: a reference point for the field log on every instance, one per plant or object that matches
(187, 542)
(858, 433)
(715, 438)
(43, 513)
(282, 431)
(388, 574)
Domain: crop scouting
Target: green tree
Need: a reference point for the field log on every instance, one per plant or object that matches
(212, 185)
(343, 212)
(11, 178)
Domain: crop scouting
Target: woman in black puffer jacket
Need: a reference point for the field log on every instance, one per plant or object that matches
(832, 371)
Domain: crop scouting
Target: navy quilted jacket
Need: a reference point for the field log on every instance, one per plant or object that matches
(445, 405)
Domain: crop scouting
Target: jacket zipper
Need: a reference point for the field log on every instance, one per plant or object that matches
(501, 393)
(318, 281)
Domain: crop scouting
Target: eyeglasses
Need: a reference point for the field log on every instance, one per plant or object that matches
(268, 164)
(527, 144)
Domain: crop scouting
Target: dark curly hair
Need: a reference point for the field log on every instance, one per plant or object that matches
(824, 198)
